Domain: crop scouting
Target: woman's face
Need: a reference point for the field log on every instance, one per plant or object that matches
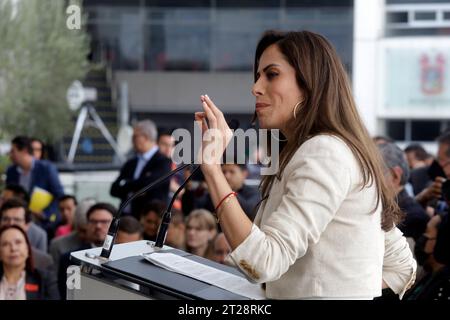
(276, 90)
(13, 248)
(150, 223)
(196, 236)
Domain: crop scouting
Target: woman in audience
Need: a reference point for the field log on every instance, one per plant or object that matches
(19, 279)
(201, 228)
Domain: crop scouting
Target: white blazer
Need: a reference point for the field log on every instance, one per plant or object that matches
(316, 235)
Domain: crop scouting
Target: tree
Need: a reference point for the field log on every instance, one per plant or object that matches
(39, 59)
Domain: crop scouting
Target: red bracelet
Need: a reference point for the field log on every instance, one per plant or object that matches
(228, 196)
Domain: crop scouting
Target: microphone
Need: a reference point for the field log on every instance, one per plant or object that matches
(114, 226)
(233, 124)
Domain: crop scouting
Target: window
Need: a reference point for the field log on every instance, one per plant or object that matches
(424, 15)
(397, 17)
(447, 15)
(414, 130)
(235, 36)
(395, 129)
(177, 47)
(425, 130)
(205, 34)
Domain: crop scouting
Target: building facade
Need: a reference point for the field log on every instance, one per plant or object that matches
(397, 53)
(170, 52)
(401, 74)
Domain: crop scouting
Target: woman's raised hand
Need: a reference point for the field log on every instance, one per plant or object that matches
(216, 134)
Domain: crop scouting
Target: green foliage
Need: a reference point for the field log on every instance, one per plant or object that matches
(39, 59)
(4, 163)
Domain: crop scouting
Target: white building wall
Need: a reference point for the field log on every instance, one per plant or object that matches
(367, 31)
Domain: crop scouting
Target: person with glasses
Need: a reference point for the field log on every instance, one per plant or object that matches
(36, 234)
(14, 212)
(99, 217)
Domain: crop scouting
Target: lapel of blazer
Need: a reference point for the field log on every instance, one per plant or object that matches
(270, 204)
(132, 166)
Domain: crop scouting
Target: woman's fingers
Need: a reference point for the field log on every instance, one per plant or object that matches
(213, 107)
(221, 122)
(210, 115)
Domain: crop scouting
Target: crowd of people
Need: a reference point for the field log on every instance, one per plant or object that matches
(421, 183)
(35, 247)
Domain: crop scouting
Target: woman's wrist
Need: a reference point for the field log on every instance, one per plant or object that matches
(211, 169)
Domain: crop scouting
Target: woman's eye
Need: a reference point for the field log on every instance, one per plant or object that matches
(271, 75)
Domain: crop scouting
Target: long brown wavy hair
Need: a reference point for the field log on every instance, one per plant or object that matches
(328, 108)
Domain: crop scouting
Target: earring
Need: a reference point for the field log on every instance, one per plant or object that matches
(295, 109)
(276, 138)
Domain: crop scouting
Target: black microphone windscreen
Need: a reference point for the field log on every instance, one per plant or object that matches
(233, 124)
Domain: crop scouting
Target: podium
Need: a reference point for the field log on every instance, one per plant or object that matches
(129, 276)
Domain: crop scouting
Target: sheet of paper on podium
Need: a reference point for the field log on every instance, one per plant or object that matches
(198, 271)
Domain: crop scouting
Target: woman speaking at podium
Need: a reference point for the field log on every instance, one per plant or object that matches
(326, 226)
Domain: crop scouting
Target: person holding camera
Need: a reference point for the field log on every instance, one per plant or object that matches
(433, 193)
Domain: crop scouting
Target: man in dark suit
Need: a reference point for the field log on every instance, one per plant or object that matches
(30, 173)
(148, 166)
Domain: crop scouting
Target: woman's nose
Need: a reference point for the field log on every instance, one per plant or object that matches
(257, 88)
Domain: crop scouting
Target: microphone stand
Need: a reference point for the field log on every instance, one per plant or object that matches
(114, 226)
(165, 221)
